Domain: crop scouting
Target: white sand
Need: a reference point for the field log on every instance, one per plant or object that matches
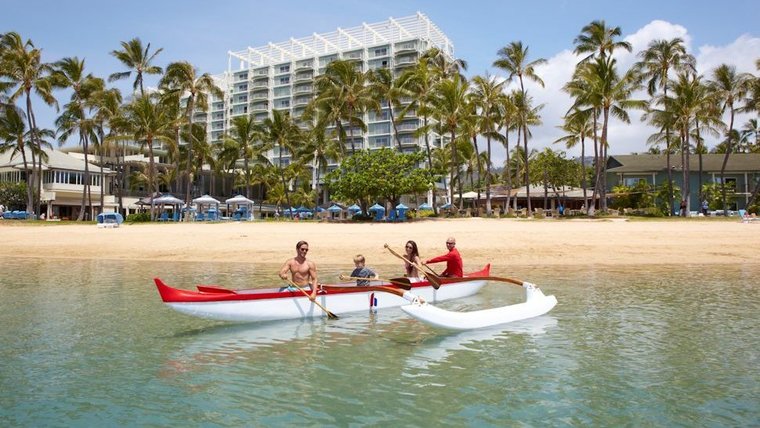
(498, 241)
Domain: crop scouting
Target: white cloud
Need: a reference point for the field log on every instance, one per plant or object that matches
(624, 138)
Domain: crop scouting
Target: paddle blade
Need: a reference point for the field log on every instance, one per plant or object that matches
(331, 315)
(433, 279)
(402, 282)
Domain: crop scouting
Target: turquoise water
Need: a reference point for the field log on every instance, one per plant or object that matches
(89, 343)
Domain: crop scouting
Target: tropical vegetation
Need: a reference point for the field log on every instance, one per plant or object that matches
(318, 155)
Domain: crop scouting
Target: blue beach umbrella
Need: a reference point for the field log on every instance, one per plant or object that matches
(446, 206)
(425, 207)
(354, 208)
(335, 209)
(377, 207)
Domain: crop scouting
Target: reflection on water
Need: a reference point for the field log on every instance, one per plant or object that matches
(88, 342)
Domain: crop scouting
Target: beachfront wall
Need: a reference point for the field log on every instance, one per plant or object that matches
(742, 171)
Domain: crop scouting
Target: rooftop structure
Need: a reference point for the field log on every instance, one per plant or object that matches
(281, 76)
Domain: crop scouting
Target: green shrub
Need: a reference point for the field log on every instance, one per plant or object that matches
(138, 217)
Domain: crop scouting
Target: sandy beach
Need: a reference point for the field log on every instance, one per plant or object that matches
(499, 241)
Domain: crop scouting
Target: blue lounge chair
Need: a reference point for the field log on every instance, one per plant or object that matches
(164, 216)
(200, 217)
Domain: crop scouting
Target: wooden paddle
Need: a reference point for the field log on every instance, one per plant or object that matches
(400, 282)
(434, 279)
(397, 291)
(330, 315)
(487, 278)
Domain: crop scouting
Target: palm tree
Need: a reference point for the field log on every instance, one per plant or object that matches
(282, 132)
(729, 87)
(488, 96)
(450, 107)
(513, 59)
(137, 59)
(386, 89)
(660, 57)
(751, 129)
(508, 114)
(443, 66)
(24, 70)
(69, 73)
(614, 94)
(344, 94)
(419, 82)
(15, 138)
(248, 137)
(578, 126)
(181, 79)
(319, 150)
(147, 123)
(596, 37)
(107, 106)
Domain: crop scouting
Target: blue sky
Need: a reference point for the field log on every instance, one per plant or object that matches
(202, 32)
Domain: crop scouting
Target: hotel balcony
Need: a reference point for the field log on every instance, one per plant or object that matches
(306, 89)
(304, 65)
(405, 47)
(302, 77)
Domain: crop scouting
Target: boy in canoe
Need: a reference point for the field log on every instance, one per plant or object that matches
(302, 271)
(362, 271)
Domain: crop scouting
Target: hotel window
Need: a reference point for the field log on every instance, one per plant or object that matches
(381, 51)
(284, 80)
(284, 68)
(633, 181)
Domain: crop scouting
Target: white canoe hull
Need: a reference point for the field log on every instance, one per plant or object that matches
(302, 307)
(536, 304)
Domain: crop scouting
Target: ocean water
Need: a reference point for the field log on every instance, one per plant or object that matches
(89, 343)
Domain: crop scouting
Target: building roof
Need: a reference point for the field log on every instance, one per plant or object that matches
(56, 160)
(737, 162)
(345, 39)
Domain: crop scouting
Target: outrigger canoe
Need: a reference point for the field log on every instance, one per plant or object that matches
(270, 304)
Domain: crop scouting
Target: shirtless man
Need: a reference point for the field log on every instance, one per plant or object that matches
(304, 272)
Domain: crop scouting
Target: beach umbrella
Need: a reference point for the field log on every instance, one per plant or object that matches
(425, 207)
(240, 200)
(168, 200)
(319, 209)
(354, 207)
(446, 206)
(303, 209)
(401, 207)
(335, 209)
(205, 199)
(377, 207)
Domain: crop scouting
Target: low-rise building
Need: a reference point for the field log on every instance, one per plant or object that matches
(63, 183)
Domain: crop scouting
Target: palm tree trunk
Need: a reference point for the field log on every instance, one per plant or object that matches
(430, 162)
(480, 168)
(583, 172)
(725, 163)
(395, 129)
(152, 189)
(488, 178)
(527, 174)
(596, 163)
(188, 168)
(603, 166)
(509, 172)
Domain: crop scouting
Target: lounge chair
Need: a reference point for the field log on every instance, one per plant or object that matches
(164, 216)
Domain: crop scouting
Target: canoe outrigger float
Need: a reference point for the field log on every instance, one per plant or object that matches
(270, 304)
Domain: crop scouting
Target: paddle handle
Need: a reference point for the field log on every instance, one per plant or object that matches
(329, 314)
(406, 285)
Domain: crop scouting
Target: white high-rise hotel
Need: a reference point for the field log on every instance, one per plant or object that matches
(281, 75)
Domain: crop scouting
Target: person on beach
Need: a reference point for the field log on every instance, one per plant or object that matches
(361, 271)
(452, 258)
(303, 272)
(705, 207)
(413, 255)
